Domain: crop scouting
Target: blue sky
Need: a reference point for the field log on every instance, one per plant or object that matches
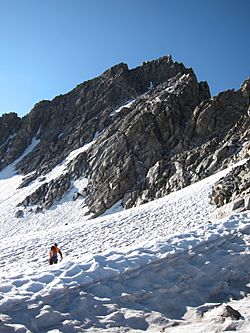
(50, 46)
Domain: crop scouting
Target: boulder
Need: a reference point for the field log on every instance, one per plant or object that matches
(231, 312)
(19, 213)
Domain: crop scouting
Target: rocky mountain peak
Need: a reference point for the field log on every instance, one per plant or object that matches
(117, 70)
(147, 131)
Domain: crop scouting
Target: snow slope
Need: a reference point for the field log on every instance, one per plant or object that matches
(149, 268)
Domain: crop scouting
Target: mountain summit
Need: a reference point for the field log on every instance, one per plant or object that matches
(139, 134)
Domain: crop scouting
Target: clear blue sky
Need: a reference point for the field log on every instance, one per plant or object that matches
(47, 47)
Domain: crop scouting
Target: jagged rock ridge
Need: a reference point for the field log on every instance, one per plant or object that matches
(70, 120)
(171, 134)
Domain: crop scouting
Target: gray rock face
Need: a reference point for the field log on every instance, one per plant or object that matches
(156, 147)
(234, 187)
(9, 125)
(170, 135)
(48, 193)
(138, 139)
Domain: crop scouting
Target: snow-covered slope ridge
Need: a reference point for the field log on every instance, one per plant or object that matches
(130, 271)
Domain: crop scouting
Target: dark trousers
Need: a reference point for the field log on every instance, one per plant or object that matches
(53, 260)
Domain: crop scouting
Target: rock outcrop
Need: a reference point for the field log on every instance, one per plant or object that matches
(235, 187)
(48, 193)
(140, 137)
(156, 130)
(9, 126)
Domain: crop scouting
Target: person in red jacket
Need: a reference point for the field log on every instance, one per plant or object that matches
(53, 254)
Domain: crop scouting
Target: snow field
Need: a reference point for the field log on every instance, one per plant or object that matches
(136, 270)
(205, 265)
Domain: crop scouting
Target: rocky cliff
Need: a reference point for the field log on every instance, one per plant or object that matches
(154, 129)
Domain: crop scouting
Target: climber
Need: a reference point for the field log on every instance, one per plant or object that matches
(54, 250)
